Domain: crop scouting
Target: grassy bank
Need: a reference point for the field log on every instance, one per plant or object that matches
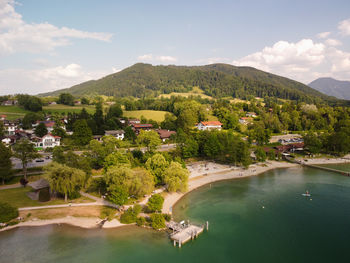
(148, 114)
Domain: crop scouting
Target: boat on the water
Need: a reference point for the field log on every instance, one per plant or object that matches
(307, 193)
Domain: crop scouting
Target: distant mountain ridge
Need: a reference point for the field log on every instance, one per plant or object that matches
(217, 80)
(332, 87)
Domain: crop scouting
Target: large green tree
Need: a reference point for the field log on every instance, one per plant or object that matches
(81, 132)
(150, 139)
(24, 151)
(64, 179)
(66, 99)
(157, 165)
(40, 130)
(5, 162)
(176, 177)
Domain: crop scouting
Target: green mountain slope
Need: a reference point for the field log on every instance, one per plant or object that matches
(217, 80)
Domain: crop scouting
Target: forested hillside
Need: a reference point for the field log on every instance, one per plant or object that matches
(217, 80)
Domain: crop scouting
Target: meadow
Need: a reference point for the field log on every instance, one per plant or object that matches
(148, 114)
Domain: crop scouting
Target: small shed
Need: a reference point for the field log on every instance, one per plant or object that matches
(41, 191)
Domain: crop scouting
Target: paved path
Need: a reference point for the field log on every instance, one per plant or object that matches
(10, 186)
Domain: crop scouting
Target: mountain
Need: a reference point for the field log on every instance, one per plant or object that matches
(332, 87)
(217, 80)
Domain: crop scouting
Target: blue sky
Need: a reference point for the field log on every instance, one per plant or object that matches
(48, 45)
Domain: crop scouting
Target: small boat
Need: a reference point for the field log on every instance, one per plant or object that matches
(307, 193)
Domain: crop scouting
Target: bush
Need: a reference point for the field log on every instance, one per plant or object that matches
(130, 215)
(155, 203)
(140, 221)
(7, 212)
(44, 195)
(167, 217)
(158, 221)
(107, 212)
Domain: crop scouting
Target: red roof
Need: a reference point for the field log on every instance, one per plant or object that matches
(140, 126)
(163, 134)
(211, 123)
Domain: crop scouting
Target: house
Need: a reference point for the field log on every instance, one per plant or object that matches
(48, 124)
(165, 134)
(119, 134)
(47, 141)
(251, 114)
(9, 102)
(122, 121)
(245, 120)
(77, 102)
(6, 141)
(41, 191)
(209, 125)
(53, 103)
(133, 121)
(10, 128)
(3, 117)
(98, 138)
(138, 127)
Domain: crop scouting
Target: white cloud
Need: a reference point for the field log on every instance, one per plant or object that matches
(151, 57)
(303, 61)
(344, 27)
(166, 59)
(18, 36)
(145, 57)
(323, 34)
(333, 42)
(46, 79)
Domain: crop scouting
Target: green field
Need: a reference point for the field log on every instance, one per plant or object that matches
(196, 91)
(59, 108)
(148, 114)
(13, 112)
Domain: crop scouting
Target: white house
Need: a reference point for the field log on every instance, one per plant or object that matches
(209, 125)
(119, 134)
(6, 141)
(48, 141)
(10, 129)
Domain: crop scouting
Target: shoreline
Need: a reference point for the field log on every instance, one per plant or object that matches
(194, 183)
(197, 179)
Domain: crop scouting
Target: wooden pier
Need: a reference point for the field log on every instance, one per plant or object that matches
(185, 232)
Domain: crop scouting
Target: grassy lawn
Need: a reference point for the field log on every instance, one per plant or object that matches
(13, 112)
(59, 108)
(196, 91)
(148, 114)
(17, 197)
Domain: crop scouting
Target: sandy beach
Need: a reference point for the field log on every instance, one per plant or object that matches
(344, 159)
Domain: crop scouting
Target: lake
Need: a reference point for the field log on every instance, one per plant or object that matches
(258, 219)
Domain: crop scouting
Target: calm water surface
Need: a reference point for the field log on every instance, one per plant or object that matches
(258, 219)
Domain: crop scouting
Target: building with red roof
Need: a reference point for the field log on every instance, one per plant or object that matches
(209, 125)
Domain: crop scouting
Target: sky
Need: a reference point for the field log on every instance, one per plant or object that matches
(47, 45)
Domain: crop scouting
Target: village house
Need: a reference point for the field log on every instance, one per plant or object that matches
(245, 120)
(9, 102)
(251, 114)
(47, 141)
(3, 117)
(138, 127)
(119, 134)
(165, 134)
(41, 191)
(10, 128)
(209, 125)
(133, 121)
(48, 124)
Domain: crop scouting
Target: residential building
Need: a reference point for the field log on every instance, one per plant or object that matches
(251, 114)
(209, 125)
(165, 134)
(245, 120)
(119, 134)
(47, 141)
(138, 127)
(3, 117)
(9, 102)
(10, 128)
(133, 121)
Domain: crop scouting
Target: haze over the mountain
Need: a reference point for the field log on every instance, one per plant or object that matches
(332, 87)
(217, 80)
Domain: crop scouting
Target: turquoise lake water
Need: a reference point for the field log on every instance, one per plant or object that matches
(259, 219)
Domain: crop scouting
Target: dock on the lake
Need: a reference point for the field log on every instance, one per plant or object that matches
(327, 169)
(183, 232)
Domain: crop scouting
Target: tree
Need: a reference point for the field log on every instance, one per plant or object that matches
(176, 177)
(63, 179)
(98, 118)
(155, 203)
(150, 139)
(158, 221)
(7, 212)
(157, 165)
(28, 102)
(81, 132)
(40, 130)
(260, 154)
(24, 151)
(2, 129)
(129, 134)
(85, 101)
(5, 162)
(114, 111)
(66, 99)
(141, 183)
(116, 158)
(313, 143)
(30, 118)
